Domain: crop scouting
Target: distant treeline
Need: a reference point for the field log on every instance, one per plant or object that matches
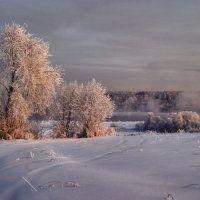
(161, 101)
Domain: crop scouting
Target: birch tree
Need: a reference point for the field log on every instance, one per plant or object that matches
(26, 77)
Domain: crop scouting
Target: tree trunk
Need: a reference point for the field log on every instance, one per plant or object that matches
(68, 122)
(10, 92)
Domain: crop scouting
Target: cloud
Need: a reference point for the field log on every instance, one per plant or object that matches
(127, 44)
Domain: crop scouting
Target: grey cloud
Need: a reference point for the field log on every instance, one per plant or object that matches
(127, 44)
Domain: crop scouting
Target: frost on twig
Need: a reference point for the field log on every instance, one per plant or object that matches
(32, 187)
(169, 197)
(32, 155)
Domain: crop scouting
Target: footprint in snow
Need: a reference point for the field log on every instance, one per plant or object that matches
(192, 186)
(59, 184)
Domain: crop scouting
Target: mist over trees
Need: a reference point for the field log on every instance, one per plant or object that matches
(161, 101)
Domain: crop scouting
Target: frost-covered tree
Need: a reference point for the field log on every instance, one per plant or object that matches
(81, 109)
(95, 107)
(26, 77)
(172, 122)
(66, 108)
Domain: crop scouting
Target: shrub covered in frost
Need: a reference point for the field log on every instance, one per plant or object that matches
(172, 122)
(81, 110)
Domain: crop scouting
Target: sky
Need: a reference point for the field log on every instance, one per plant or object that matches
(124, 44)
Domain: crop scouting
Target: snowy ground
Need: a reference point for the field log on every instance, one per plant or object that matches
(141, 167)
(124, 127)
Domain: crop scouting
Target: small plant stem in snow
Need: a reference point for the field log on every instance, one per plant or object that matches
(32, 187)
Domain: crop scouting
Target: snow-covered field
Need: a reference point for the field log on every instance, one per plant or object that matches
(141, 167)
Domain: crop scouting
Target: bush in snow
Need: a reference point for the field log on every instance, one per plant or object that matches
(27, 81)
(172, 122)
(95, 107)
(82, 109)
(65, 110)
